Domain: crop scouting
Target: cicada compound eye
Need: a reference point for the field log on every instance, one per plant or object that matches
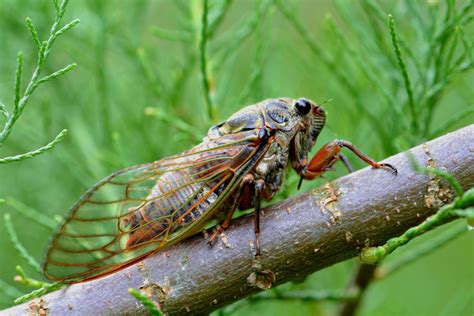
(303, 106)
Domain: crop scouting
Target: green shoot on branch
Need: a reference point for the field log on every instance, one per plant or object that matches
(147, 303)
(49, 287)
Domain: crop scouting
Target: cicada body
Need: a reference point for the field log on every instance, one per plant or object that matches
(142, 209)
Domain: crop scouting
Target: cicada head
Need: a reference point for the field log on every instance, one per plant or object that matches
(312, 119)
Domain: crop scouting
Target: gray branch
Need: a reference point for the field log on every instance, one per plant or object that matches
(299, 236)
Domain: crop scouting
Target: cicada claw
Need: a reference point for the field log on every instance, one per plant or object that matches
(391, 167)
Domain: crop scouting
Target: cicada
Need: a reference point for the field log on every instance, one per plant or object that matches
(139, 210)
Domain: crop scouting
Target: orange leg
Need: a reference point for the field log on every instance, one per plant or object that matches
(325, 158)
(248, 180)
(222, 227)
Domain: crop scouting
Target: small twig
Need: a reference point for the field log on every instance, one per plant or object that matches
(437, 242)
(445, 214)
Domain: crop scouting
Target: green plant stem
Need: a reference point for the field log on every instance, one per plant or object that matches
(36, 152)
(406, 79)
(211, 112)
(18, 246)
(49, 287)
(428, 247)
(149, 304)
(219, 16)
(25, 280)
(446, 213)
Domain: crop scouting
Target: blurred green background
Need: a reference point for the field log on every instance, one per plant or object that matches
(137, 95)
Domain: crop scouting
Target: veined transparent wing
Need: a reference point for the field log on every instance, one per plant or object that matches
(139, 210)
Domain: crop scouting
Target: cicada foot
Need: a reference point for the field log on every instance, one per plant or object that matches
(220, 228)
(325, 158)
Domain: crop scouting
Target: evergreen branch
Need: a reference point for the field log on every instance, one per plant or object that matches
(403, 70)
(57, 73)
(25, 280)
(36, 152)
(428, 247)
(49, 287)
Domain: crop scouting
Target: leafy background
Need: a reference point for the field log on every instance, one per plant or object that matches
(138, 95)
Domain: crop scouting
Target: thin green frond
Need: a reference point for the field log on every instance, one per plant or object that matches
(18, 246)
(36, 152)
(57, 73)
(33, 32)
(404, 72)
(150, 306)
(50, 287)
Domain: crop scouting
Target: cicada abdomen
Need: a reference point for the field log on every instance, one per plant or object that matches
(178, 197)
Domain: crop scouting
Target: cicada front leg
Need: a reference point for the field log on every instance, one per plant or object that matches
(325, 158)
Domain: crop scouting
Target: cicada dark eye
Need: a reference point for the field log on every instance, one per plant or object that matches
(303, 106)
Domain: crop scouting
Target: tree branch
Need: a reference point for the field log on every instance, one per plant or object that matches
(299, 236)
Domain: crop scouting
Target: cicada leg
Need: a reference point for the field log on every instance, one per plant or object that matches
(325, 158)
(222, 227)
(247, 180)
(260, 192)
(346, 163)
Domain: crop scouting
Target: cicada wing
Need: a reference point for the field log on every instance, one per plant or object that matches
(141, 209)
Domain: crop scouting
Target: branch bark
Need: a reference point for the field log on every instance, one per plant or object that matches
(299, 236)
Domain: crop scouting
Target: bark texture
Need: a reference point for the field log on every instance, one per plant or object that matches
(299, 236)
